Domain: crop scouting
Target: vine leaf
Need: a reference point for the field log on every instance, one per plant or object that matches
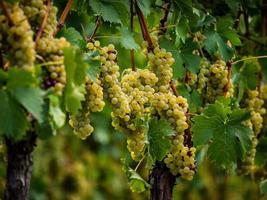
(31, 99)
(127, 40)
(223, 127)
(263, 187)
(13, 119)
(55, 111)
(106, 10)
(76, 72)
(94, 65)
(159, 132)
(73, 36)
(215, 42)
(136, 182)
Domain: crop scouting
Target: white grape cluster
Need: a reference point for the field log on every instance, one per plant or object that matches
(254, 104)
(16, 38)
(214, 81)
(143, 93)
(94, 102)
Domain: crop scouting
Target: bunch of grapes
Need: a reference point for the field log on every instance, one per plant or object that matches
(254, 104)
(214, 81)
(93, 103)
(180, 159)
(16, 38)
(48, 48)
(160, 62)
(138, 86)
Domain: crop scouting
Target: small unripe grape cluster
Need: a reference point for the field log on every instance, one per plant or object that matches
(254, 104)
(203, 75)
(191, 78)
(16, 38)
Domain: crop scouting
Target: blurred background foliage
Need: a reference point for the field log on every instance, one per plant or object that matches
(67, 168)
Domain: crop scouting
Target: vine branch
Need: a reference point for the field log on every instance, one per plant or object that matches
(163, 21)
(6, 13)
(44, 21)
(249, 58)
(63, 16)
(173, 88)
(144, 27)
(97, 24)
(132, 28)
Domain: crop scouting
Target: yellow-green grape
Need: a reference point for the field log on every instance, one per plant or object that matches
(254, 104)
(35, 10)
(160, 62)
(217, 82)
(16, 38)
(51, 49)
(110, 79)
(202, 77)
(191, 78)
(181, 159)
(138, 86)
(81, 124)
(136, 144)
(94, 96)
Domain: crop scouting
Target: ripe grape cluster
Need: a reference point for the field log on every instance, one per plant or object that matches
(214, 81)
(16, 38)
(93, 103)
(142, 94)
(254, 104)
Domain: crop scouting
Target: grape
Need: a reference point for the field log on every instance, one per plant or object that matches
(17, 38)
(254, 104)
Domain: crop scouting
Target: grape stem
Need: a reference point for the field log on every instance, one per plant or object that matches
(143, 26)
(249, 58)
(97, 24)
(132, 28)
(63, 16)
(44, 21)
(173, 88)
(163, 21)
(139, 163)
(50, 63)
(6, 13)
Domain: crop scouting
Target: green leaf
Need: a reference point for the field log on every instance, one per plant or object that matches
(178, 68)
(106, 10)
(76, 72)
(137, 183)
(94, 65)
(45, 129)
(192, 62)
(181, 30)
(31, 99)
(73, 36)
(215, 42)
(249, 73)
(145, 6)
(158, 136)
(19, 77)
(127, 40)
(55, 111)
(13, 119)
(263, 187)
(223, 127)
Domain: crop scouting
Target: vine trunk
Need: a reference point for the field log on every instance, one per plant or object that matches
(162, 182)
(19, 168)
